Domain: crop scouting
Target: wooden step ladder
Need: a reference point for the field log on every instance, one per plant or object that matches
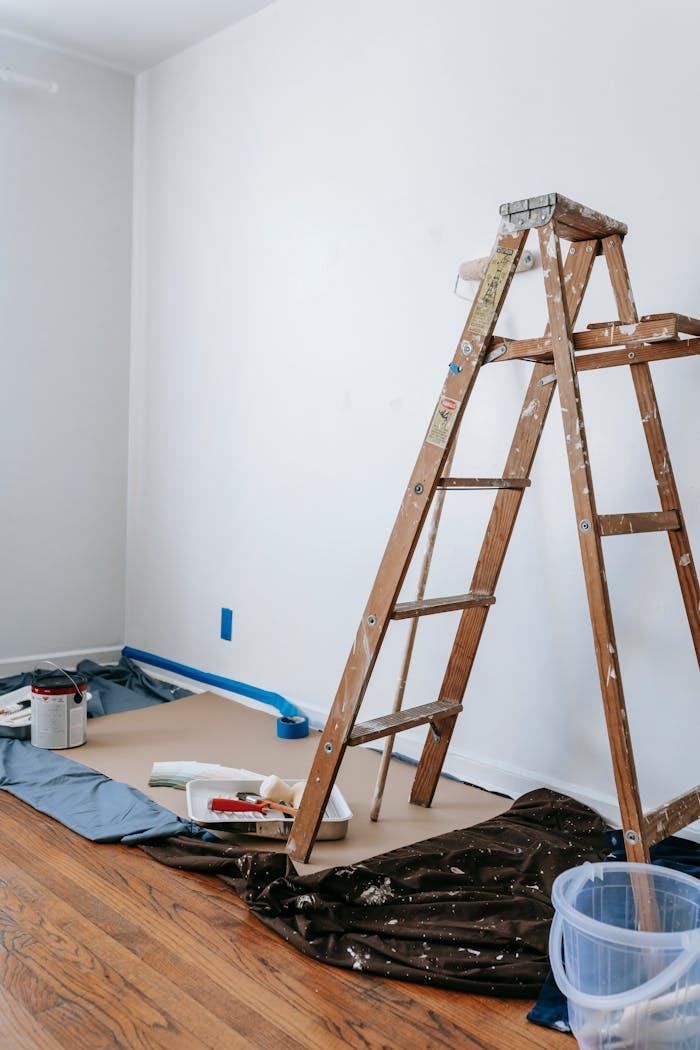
(558, 357)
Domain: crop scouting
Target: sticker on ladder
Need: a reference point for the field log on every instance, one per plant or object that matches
(442, 422)
(492, 285)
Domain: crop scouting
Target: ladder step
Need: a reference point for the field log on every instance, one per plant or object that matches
(387, 725)
(483, 483)
(429, 606)
(649, 521)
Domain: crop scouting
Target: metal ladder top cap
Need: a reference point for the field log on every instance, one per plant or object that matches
(572, 221)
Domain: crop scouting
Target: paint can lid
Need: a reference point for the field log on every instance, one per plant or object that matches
(61, 682)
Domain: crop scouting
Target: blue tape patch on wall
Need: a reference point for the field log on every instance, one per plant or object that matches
(263, 696)
(226, 624)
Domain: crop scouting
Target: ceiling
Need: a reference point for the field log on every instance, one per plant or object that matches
(131, 35)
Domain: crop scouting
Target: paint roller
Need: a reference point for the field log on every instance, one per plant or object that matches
(280, 791)
(474, 269)
(274, 793)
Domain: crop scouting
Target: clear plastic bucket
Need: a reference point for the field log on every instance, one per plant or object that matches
(628, 988)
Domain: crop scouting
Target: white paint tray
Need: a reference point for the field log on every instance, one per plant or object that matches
(272, 825)
(16, 719)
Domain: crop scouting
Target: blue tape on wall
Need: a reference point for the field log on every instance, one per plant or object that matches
(226, 624)
(263, 696)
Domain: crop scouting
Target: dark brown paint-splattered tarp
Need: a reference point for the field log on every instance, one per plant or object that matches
(468, 910)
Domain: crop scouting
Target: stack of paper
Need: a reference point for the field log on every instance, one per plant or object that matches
(177, 774)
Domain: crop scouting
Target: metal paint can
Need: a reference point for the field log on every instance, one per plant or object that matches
(59, 703)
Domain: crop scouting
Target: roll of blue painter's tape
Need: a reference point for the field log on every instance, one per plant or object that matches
(292, 727)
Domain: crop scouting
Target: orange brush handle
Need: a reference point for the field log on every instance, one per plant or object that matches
(289, 810)
(252, 796)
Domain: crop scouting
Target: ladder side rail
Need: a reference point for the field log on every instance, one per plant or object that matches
(591, 550)
(531, 420)
(656, 443)
(388, 747)
(404, 537)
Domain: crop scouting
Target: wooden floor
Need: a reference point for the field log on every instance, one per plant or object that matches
(103, 947)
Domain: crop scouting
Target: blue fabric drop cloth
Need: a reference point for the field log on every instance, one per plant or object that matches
(82, 799)
(113, 687)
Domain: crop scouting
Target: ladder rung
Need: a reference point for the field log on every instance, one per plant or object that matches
(616, 333)
(597, 337)
(687, 325)
(671, 817)
(429, 606)
(483, 483)
(387, 725)
(647, 352)
(649, 521)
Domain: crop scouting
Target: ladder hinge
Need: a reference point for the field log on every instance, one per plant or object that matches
(436, 734)
(531, 212)
(495, 353)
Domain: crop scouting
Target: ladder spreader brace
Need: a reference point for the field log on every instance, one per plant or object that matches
(557, 359)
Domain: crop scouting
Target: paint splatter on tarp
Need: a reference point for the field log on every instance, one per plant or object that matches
(468, 910)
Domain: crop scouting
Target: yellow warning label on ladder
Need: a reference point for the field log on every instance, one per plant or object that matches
(490, 289)
(442, 422)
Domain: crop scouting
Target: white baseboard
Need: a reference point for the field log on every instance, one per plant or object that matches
(197, 687)
(19, 664)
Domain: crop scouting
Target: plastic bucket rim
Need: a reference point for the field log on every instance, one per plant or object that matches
(617, 1000)
(681, 939)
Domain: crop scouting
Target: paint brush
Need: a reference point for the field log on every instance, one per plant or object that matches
(251, 796)
(14, 708)
(18, 716)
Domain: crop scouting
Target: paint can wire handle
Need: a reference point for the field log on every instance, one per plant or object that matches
(62, 670)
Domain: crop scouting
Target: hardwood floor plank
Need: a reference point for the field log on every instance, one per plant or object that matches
(250, 960)
(20, 1030)
(100, 987)
(207, 971)
(158, 957)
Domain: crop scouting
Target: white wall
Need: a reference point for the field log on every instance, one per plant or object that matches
(65, 243)
(307, 183)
